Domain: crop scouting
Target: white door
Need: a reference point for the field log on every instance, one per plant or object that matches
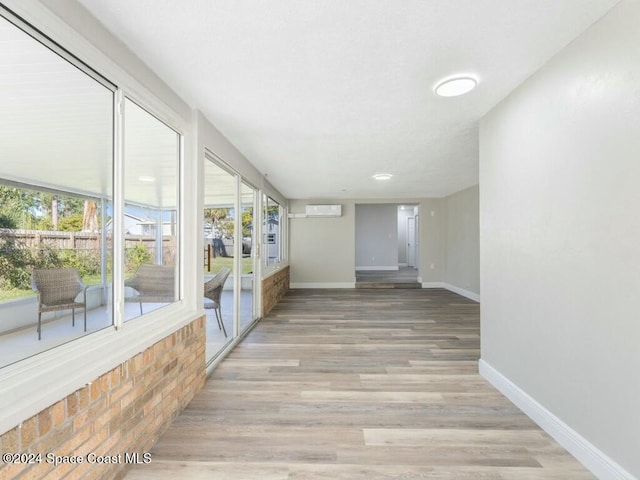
(411, 241)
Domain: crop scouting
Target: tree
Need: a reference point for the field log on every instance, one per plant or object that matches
(247, 222)
(72, 223)
(54, 207)
(220, 220)
(90, 216)
(16, 207)
(54, 212)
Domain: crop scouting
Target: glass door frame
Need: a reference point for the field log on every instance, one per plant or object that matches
(236, 333)
(255, 251)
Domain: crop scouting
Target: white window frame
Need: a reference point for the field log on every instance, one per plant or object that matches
(269, 269)
(35, 383)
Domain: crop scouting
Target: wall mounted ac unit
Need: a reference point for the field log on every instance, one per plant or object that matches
(323, 210)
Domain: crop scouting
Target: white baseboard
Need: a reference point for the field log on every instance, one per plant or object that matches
(322, 285)
(460, 291)
(387, 267)
(591, 457)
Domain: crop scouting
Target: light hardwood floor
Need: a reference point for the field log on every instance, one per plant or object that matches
(358, 385)
(404, 277)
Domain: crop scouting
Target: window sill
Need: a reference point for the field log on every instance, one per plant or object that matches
(33, 384)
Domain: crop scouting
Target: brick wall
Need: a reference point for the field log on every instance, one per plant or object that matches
(273, 289)
(123, 411)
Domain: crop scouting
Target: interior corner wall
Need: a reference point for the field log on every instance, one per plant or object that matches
(432, 250)
(377, 236)
(559, 236)
(462, 240)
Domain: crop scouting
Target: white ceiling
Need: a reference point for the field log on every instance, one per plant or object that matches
(45, 101)
(321, 94)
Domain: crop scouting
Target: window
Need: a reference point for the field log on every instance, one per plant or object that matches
(65, 195)
(151, 192)
(272, 231)
(56, 145)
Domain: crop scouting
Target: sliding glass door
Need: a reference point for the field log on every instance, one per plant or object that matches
(220, 206)
(248, 208)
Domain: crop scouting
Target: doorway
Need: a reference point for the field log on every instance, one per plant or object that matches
(387, 246)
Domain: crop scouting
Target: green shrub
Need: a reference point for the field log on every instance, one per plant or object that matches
(87, 263)
(136, 256)
(70, 224)
(17, 261)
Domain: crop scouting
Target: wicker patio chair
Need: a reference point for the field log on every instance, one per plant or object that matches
(57, 289)
(213, 291)
(153, 284)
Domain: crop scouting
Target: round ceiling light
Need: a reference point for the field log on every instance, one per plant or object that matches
(452, 87)
(382, 176)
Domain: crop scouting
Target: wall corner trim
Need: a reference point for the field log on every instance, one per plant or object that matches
(452, 288)
(591, 457)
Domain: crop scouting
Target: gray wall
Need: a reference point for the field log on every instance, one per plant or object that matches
(377, 236)
(322, 250)
(462, 240)
(560, 236)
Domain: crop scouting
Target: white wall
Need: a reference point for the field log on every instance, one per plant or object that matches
(462, 240)
(560, 236)
(376, 237)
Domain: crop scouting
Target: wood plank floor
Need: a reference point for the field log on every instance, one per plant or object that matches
(358, 385)
(404, 277)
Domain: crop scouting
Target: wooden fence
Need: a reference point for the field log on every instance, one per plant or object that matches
(86, 241)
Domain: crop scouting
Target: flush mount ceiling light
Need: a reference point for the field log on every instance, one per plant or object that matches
(382, 176)
(452, 87)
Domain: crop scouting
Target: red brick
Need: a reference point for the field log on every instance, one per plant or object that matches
(56, 437)
(73, 443)
(83, 397)
(28, 433)
(44, 422)
(10, 441)
(105, 383)
(115, 376)
(10, 470)
(72, 404)
(148, 356)
(57, 413)
(34, 471)
(96, 391)
(153, 387)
